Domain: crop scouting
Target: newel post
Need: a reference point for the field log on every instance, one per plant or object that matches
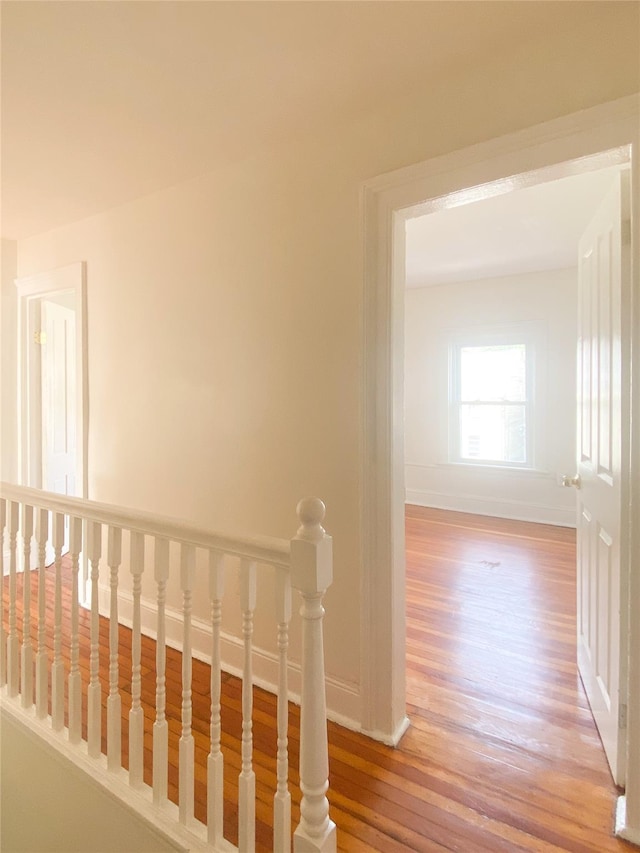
(311, 574)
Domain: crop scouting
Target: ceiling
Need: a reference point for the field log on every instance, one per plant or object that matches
(527, 230)
(103, 102)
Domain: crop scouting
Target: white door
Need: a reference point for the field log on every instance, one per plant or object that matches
(601, 588)
(58, 371)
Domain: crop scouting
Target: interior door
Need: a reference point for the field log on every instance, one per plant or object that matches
(601, 587)
(58, 371)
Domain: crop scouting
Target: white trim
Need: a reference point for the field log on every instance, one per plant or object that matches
(621, 829)
(496, 507)
(343, 698)
(631, 500)
(584, 141)
(487, 468)
(390, 739)
(68, 278)
(261, 549)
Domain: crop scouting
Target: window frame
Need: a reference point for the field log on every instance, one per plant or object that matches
(520, 336)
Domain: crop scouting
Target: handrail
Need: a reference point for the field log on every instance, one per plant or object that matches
(53, 524)
(262, 549)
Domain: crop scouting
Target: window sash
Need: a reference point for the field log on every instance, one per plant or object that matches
(456, 403)
(462, 348)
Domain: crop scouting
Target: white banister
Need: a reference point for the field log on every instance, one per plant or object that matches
(114, 702)
(136, 714)
(75, 679)
(262, 549)
(247, 780)
(42, 662)
(94, 691)
(215, 759)
(304, 563)
(311, 574)
(26, 657)
(186, 746)
(57, 670)
(12, 640)
(3, 642)
(282, 797)
(160, 726)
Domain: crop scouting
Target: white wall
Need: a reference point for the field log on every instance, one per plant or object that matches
(48, 805)
(225, 314)
(8, 376)
(545, 304)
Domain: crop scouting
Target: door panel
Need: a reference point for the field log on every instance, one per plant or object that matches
(600, 640)
(58, 398)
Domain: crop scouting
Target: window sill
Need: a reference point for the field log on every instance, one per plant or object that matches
(507, 469)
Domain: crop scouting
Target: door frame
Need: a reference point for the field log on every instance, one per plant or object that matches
(71, 278)
(593, 138)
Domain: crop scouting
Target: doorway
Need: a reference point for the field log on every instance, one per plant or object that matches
(601, 137)
(491, 350)
(52, 392)
(52, 388)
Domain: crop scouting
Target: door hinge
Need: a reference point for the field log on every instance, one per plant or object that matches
(622, 717)
(40, 337)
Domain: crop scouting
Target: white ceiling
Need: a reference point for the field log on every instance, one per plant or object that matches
(103, 102)
(531, 229)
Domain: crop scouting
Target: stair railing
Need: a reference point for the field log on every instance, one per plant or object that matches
(33, 674)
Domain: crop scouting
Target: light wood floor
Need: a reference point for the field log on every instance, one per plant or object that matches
(502, 754)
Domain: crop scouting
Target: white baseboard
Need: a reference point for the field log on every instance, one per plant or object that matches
(503, 508)
(393, 739)
(622, 830)
(343, 698)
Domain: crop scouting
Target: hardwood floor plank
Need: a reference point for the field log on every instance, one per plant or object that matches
(502, 755)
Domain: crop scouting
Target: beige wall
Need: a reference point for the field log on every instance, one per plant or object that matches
(8, 376)
(225, 314)
(542, 305)
(49, 805)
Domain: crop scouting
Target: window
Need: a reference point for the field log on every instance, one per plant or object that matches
(490, 404)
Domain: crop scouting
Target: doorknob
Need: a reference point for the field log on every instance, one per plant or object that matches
(572, 481)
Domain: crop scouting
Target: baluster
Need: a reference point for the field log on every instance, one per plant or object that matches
(186, 749)
(160, 727)
(57, 671)
(247, 779)
(215, 760)
(282, 799)
(136, 714)
(26, 662)
(42, 660)
(114, 703)
(94, 692)
(75, 679)
(12, 639)
(311, 574)
(3, 642)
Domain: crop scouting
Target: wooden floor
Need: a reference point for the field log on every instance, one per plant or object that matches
(502, 753)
